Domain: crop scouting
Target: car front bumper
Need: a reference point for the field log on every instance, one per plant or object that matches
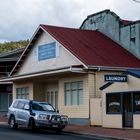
(49, 124)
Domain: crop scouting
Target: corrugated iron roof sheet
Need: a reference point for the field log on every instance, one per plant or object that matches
(93, 47)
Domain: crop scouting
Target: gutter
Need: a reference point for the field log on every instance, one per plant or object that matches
(35, 74)
(3, 83)
(42, 73)
(106, 68)
(78, 70)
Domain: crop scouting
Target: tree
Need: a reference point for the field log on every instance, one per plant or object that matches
(9, 46)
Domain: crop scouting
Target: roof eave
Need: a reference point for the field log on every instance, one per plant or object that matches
(105, 68)
(50, 72)
(24, 51)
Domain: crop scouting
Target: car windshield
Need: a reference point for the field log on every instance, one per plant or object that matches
(42, 106)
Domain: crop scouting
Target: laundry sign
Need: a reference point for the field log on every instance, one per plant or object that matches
(115, 78)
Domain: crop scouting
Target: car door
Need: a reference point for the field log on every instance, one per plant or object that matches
(22, 113)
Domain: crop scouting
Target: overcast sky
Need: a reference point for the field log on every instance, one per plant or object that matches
(20, 18)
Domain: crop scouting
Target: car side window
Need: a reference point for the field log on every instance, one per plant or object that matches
(21, 105)
(26, 106)
(15, 105)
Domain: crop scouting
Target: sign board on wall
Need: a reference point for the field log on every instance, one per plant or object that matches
(47, 51)
(115, 78)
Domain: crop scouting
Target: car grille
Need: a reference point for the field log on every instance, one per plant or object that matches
(55, 118)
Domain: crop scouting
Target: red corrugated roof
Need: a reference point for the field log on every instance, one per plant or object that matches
(93, 47)
(125, 22)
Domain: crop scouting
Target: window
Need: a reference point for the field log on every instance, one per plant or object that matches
(52, 98)
(42, 106)
(21, 105)
(113, 103)
(15, 105)
(132, 35)
(132, 31)
(22, 93)
(73, 93)
(137, 102)
(132, 41)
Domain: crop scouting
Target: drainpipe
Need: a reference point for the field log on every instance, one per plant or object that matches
(93, 97)
(95, 82)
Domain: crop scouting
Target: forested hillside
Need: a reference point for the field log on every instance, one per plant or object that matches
(8, 46)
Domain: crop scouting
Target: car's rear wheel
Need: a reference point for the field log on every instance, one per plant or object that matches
(13, 123)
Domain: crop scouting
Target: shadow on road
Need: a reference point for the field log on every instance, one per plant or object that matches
(4, 128)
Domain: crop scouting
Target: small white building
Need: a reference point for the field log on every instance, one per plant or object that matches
(121, 103)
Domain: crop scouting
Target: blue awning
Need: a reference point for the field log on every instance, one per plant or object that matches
(135, 73)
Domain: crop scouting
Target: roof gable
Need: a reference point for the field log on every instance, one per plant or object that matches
(36, 58)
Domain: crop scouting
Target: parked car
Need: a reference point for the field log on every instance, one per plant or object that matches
(34, 114)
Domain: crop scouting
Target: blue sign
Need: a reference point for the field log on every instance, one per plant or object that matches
(47, 51)
(115, 78)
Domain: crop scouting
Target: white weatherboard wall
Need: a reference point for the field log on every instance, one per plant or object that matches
(31, 64)
(21, 85)
(110, 120)
(74, 111)
(96, 111)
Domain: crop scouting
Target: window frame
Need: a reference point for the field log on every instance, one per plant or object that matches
(52, 98)
(134, 108)
(22, 91)
(70, 90)
(107, 103)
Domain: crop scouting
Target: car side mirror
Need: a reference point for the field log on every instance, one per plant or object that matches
(57, 110)
(26, 107)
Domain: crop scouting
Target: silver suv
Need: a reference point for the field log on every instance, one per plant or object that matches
(34, 114)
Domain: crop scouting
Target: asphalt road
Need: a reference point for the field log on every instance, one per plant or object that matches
(7, 133)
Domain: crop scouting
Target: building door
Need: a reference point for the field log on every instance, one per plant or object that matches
(10, 99)
(52, 94)
(5, 101)
(127, 110)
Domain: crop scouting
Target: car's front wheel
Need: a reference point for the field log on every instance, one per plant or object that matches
(32, 125)
(12, 122)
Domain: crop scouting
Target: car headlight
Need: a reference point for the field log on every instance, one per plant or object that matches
(42, 117)
(64, 118)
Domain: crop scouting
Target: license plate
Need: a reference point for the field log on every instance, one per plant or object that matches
(55, 125)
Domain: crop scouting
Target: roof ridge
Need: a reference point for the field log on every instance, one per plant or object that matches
(42, 25)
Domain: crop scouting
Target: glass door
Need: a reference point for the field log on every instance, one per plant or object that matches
(52, 98)
(127, 109)
(51, 92)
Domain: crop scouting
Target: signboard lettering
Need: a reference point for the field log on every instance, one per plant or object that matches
(47, 51)
(115, 78)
